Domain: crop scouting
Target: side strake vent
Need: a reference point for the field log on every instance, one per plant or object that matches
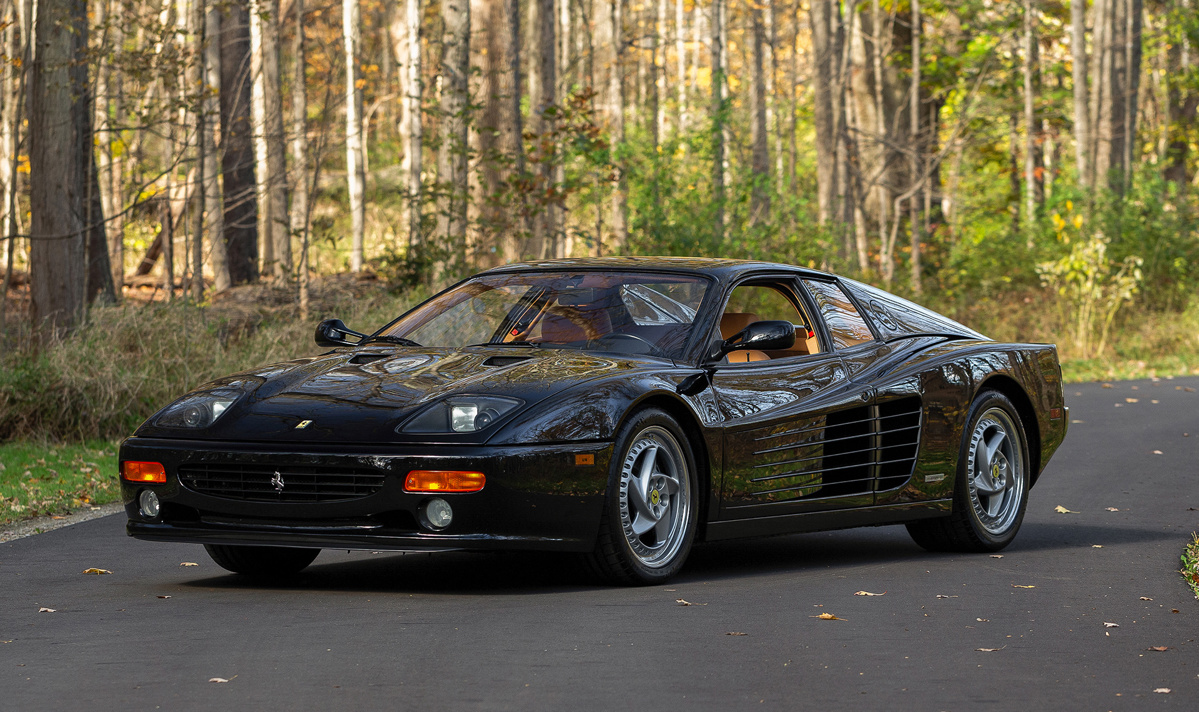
(285, 483)
(861, 450)
(504, 360)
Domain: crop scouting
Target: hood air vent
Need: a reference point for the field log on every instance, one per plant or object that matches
(504, 360)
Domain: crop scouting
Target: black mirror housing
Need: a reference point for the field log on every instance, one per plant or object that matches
(762, 336)
(333, 332)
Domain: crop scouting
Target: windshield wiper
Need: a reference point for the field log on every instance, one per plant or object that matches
(526, 344)
(391, 340)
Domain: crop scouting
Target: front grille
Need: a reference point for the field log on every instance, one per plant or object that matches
(284, 483)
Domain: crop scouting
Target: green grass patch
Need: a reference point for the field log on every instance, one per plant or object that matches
(1190, 564)
(38, 479)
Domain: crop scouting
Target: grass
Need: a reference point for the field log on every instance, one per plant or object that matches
(1190, 564)
(37, 479)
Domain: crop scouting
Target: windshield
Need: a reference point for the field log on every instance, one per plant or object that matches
(623, 312)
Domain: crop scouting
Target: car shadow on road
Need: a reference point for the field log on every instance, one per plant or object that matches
(537, 573)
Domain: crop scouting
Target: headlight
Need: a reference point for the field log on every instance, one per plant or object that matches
(198, 410)
(464, 414)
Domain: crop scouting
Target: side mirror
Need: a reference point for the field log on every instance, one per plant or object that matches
(333, 332)
(762, 336)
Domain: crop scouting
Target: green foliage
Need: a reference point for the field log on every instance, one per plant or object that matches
(43, 479)
(1190, 564)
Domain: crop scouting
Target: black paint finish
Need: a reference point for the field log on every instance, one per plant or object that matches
(858, 436)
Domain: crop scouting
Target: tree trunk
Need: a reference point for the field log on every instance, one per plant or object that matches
(1182, 103)
(680, 49)
(299, 156)
(917, 219)
(718, 147)
(214, 138)
(271, 150)
(411, 123)
(453, 153)
(57, 177)
(494, 138)
(620, 202)
(355, 168)
(1033, 187)
(1078, 50)
(826, 88)
(195, 73)
(760, 195)
(543, 96)
(110, 199)
(237, 161)
(1117, 45)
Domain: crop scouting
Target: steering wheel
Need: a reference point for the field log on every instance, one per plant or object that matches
(631, 339)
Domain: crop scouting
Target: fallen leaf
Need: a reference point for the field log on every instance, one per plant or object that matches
(164, 596)
(996, 556)
(682, 602)
(189, 563)
(45, 610)
(989, 650)
(1096, 546)
(1175, 610)
(1111, 509)
(1111, 625)
(1077, 421)
(217, 679)
(941, 595)
(1130, 400)
(1162, 690)
(983, 620)
(96, 571)
(1146, 598)
(1158, 648)
(735, 633)
(1016, 585)
(1188, 389)
(1157, 452)
(1107, 385)
(867, 593)
(1155, 401)
(1062, 510)
(827, 617)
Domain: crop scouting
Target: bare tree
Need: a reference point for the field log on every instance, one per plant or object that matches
(240, 217)
(718, 99)
(760, 201)
(1078, 51)
(355, 167)
(213, 138)
(270, 140)
(455, 106)
(917, 148)
(300, 205)
(411, 122)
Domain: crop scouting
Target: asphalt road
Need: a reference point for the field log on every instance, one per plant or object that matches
(471, 631)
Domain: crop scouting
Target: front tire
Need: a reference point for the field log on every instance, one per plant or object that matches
(651, 510)
(265, 561)
(990, 491)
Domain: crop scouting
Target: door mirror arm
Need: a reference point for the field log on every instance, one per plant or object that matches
(334, 332)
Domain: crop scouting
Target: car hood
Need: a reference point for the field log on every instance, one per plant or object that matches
(363, 395)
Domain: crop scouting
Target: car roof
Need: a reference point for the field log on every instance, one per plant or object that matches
(720, 268)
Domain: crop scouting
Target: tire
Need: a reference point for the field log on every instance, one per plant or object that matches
(265, 561)
(652, 506)
(990, 492)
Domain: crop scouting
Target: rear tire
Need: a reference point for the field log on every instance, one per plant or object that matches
(265, 561)
(990, 492)
(652, 507)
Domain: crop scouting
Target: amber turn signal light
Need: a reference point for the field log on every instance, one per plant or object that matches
(151, 472)
(444, 481)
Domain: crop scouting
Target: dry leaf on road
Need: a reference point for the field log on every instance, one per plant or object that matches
(1146, 598)
(1096, 546)
(164, 596)
(996, 556)
(1016, 585)
(45, 610)
(1162, 690)
(1159, 648)
(1110, 625)
(1130, 400)
(941, 595)
(1111, 509)
(1062, 510)
(188, 563)
(989, 650)
(735, 633)
(827, 617)
(867, 593)
(983, 620)
(96, 571)
(1157, 452)
(217, 679)
(682, 602)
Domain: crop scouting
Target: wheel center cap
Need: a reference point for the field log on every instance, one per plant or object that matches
(654, 497)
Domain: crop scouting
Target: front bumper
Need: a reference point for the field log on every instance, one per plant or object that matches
(536, 497)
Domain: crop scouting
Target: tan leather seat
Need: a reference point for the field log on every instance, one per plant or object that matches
(731, 324)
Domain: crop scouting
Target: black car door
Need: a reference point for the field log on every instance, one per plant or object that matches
(793, 421)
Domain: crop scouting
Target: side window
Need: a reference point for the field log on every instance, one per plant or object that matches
(846, 325)
(767, 302)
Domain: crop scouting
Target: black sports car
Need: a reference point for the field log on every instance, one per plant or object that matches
(623, 408)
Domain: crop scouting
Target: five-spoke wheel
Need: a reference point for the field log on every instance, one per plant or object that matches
(991, 489)
(651, 513)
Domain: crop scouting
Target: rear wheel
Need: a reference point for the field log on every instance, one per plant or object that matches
(261, 560)
(651, 510)
(990, 493)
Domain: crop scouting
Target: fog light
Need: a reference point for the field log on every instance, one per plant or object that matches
(436, 513)
(149, 504)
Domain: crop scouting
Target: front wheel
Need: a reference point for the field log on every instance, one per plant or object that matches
(651, 510)
(263, 561)
(990, 492)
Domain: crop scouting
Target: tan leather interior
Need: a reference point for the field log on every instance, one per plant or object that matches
(733, 322)
(746, 356)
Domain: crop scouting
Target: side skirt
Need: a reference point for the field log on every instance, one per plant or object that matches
(823, 521)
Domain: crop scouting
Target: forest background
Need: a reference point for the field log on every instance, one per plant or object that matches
(188, 185)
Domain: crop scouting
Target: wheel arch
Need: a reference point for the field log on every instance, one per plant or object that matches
(693, 431)
(1028, 416)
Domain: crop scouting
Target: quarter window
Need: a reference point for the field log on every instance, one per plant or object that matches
(845, 324)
